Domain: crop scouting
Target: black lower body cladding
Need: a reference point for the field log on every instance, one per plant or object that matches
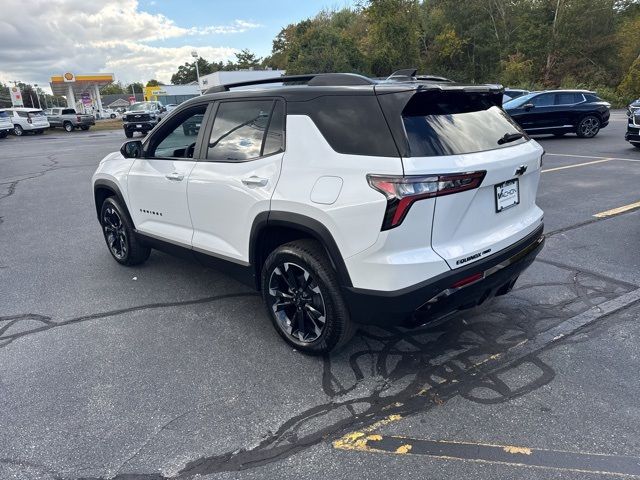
(448, 292)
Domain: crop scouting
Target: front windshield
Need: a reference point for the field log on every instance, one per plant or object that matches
(140, 106)
(518, 102)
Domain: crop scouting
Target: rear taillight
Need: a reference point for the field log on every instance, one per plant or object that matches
(404, 191)
(78, 118)
(29, 120)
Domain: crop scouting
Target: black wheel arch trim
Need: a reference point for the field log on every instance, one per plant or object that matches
(113, 187)
(305, 224)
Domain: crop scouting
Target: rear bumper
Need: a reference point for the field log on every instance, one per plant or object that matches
(440, 296)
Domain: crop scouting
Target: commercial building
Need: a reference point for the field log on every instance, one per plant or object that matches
(167, 94)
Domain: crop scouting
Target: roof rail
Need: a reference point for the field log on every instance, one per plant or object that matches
(317, 79)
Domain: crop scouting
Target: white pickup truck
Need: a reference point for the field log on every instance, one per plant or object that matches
(69, 119)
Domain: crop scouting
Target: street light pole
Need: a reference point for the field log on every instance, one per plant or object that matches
(194, 54)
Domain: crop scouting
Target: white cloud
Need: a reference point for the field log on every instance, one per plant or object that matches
(40, 38)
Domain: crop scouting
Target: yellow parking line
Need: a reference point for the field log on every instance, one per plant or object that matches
(577, 165)
(617, 211)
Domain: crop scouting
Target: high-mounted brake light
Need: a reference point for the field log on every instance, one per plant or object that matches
(403, 191)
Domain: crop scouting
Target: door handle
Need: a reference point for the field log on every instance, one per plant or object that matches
(175, 176)
(255, 181)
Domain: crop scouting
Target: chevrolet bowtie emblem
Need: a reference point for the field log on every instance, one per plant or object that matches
(521, 169)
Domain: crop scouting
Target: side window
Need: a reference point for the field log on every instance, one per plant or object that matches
(565, 98)
(578, 97)
(543, 100)
(274, 140)
(178, 138)
(240, 128)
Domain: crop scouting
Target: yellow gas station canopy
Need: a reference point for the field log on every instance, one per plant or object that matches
(79, 83)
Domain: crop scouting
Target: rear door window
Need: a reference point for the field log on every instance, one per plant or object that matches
(566, 98)
(240, 128)
(68, 111)
(452, 124)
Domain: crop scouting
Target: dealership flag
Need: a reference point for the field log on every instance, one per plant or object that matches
(16, 97)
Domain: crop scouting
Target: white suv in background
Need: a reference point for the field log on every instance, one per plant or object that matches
(343, 199)
(5, 124)
(27, 120)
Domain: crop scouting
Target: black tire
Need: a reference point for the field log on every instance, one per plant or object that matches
(39, 132)
(637, 145)
(113, 115)
(588, 127)
(18, 131)
(303, 269)
(84, 128)
(4, 133)
(68, 126)
(128, 133)
(119, 234)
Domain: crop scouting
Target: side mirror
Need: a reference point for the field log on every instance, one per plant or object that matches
(131, 149)
(528, 106)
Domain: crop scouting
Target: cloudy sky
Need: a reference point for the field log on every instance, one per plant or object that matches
(136, 40)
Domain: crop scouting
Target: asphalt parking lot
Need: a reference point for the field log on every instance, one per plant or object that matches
(171, 370)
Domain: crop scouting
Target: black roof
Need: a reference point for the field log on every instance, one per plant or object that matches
(305, 87)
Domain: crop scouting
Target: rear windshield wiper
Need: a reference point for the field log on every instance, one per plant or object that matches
(510, 137)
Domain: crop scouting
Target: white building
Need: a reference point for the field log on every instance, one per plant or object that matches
(225, 77)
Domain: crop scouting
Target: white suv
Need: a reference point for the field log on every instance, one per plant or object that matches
(27, 120)
(6, 125)
(343, 199)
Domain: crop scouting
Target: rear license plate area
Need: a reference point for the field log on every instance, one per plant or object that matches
(507, 194)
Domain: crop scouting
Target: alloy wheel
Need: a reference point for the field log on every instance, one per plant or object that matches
(297, 302)
(589, 126)
(115, 233)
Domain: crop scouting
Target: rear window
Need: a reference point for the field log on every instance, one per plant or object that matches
(68, 111)
(456, 123)
(37, 114)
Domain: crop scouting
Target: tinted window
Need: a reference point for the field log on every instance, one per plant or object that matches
(239, 130)
(566, 98)
(179, 139)
(68, 111)
(274, 141)
(23, 114)
(351, 124)
(452, 124)
(518, 102)
(592, 98)
(543, 100)
(4, 115)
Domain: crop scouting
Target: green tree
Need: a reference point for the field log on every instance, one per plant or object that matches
(154, 83)
(245, 59)
(112, 88)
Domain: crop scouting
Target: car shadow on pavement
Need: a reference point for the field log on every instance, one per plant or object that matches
(388, 373)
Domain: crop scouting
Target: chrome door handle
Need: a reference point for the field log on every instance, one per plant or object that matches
(175, 176)
(255, 181)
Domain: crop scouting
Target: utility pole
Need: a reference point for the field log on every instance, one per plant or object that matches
(37, 96)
